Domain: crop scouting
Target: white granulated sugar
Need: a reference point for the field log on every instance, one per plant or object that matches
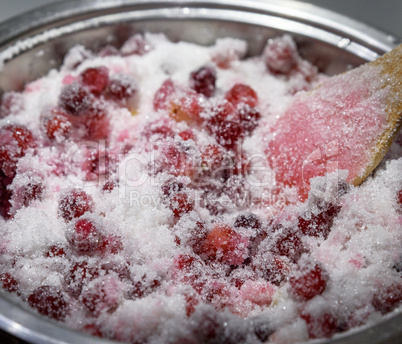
(143, 199)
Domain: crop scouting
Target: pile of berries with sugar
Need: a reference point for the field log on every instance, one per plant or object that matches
(139, 202)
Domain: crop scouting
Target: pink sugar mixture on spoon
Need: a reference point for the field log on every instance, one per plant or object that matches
(347, 123)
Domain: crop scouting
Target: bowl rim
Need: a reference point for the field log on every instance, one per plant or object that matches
(26, 324)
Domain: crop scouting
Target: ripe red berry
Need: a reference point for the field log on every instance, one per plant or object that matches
(388, 297)
(78, 275)
(56, 251)
(15, 141)
(288, 243)
(74, 204)
(163, 94)
(248, 221)
(212, 157)
(228, 134)
(136, 45)
(5, 195)
(180, 204)
(399, 197)
(224, 243)
(122, 87)
(184, 262)
(203, 81)
(8, 282)
(276, 270)
(95, 79)
(109, 185)
(110, 244)
(75, 99)
(49, 301)
(249, 118)
(11, 103)
(171, 187)
(281, 55)
(57, 127)
(187, 135)
(176, 161)
(320, 326)
(85, 237)
(102, 295)
(318, 224)
(308, 282)
(28, 192)
(242, 94)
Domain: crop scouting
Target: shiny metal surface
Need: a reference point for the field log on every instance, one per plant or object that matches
(33, 44)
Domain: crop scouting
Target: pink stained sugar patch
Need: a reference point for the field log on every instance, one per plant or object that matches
(333, 128)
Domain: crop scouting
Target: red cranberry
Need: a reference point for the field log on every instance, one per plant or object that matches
(93, 329)
(29, 192)
(111, 244)
(242, 94)
(11, 103)
(171, 187)
(56, 251)
(109, 50)
(160, 128)
(228, 134)
(222, 112)
(198, 235)
(186, 108)
(248, 221)
(249, 118)
(5, 195)
(143, 288)
(57, 127)
(96, 123)
(78, 275)
(49, 301)
(207, 326)
(281, 55)
(224, 243)
(85, 237)
(15, 141)
(136, 45)
(203, 81)
(102, 295)
(320, 224)
(75, 99)
(180, 204)
(163, 94)
(262, 329)
(8, 282)
(74, 204)
(212, 157)
(399, 197)
(95, 79)
(308, 282)
(184, 262)
(276, 270)
(175, 161)
(288, 243)
(192, 300)
(187, 135)
(109, 185)
(322, 326)
(122, 87)
(388, 297)
(117, 267)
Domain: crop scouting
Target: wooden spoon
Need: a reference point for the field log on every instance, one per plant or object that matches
(346, 123)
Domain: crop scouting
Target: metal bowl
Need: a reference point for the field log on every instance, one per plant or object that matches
(34, 43)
